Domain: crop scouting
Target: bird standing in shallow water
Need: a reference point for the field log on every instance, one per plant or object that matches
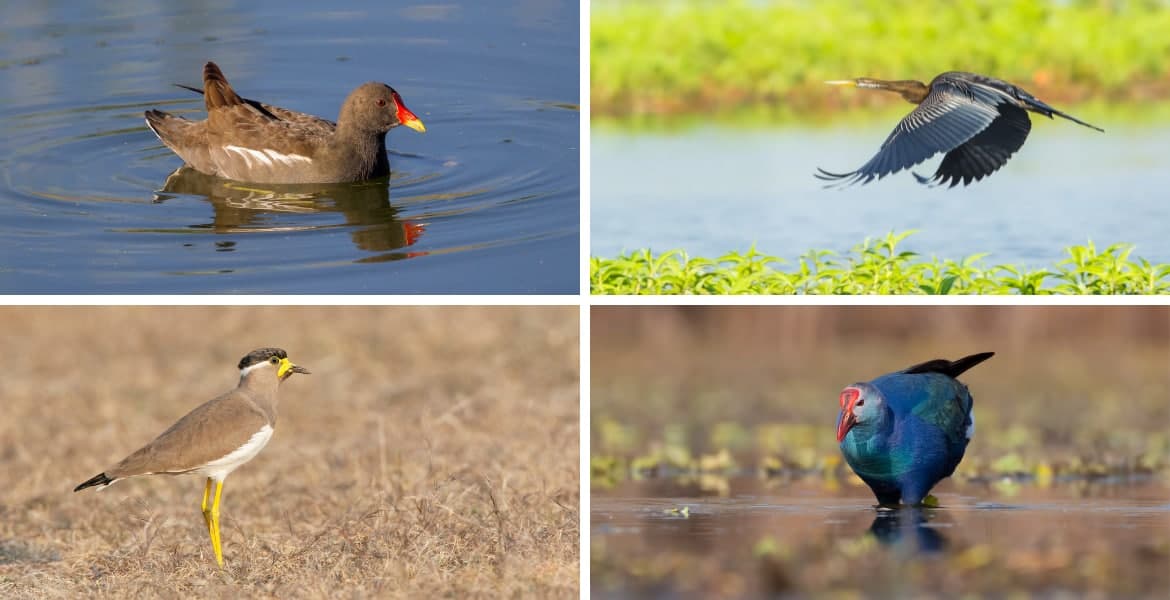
(978, 121)
(904, 431)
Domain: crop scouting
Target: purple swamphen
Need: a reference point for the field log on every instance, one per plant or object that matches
(904, 431)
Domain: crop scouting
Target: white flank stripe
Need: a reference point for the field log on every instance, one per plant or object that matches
(249, 154)
(266, 156)
(287, 159)
(971, 427)
(218, 469)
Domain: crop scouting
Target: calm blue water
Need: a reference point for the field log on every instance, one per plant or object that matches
(710, 191)
(486, 201)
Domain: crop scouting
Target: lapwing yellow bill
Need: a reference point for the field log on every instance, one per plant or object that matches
(217, 437)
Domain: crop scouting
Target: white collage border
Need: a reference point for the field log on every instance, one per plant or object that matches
(583, 300)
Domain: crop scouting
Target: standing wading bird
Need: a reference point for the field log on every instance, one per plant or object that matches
(905, 431)
(215, 438)
(980, 122)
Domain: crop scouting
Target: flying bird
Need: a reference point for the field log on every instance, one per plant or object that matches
(978, 121)
(905, 431)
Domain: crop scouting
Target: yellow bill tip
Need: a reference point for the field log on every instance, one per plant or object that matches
(416, 125)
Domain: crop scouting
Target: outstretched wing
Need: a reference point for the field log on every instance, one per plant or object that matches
(953, 112)
(985, 153)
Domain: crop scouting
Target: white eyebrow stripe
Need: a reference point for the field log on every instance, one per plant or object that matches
(253, 367)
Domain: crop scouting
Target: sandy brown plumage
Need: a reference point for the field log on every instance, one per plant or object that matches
(216, 437)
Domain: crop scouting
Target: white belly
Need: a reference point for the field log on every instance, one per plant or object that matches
(218, 469)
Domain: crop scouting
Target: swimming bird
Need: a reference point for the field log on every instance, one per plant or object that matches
(978, 121)
(216, 438)
(250, 141)
(905, 431)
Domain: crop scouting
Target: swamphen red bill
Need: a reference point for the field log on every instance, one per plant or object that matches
(905, 431)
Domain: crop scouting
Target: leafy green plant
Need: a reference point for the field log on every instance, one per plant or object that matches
(875, 266)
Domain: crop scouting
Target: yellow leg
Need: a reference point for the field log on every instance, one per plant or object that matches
(212, 517)
(206, 513)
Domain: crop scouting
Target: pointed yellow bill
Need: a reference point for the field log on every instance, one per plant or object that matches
(287, 368)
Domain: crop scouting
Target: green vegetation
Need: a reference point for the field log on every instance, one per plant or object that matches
(875, 267)
(689, 58)
(1006, 457)
(711, 393)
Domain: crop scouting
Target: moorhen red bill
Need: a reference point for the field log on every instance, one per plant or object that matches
(251, 141)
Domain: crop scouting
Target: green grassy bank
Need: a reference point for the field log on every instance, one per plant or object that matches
(875, 267)
(698, 58)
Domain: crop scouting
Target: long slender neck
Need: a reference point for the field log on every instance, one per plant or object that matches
(913, 91)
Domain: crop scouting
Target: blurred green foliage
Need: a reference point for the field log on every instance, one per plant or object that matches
(875, 266)
(691, 57)
(785, 450)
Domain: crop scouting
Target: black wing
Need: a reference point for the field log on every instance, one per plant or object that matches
(985, 153)
(949, 368)
(953, 112)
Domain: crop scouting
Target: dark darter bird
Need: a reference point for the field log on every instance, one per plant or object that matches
(978, 121)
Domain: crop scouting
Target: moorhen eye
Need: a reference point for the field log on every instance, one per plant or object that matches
(381, 102)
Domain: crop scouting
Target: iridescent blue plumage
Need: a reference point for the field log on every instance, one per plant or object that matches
(904, 431)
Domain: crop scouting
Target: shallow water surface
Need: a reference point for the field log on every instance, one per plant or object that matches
(712, 190)
(486, 201)
(750, 538)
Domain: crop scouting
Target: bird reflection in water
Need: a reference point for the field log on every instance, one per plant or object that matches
(909, 528)
(244, 207)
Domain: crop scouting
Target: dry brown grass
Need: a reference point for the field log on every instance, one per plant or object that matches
(433, 452)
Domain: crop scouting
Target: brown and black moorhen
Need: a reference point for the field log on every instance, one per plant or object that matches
(251, 141)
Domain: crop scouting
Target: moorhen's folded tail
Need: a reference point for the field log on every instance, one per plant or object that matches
(217, 92)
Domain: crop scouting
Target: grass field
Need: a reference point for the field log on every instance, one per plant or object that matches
(771, 58)
(432, 452)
